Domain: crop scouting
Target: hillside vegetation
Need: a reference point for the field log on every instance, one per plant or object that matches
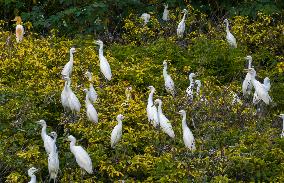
(235, 142)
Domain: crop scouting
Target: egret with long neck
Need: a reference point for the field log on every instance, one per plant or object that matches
(53, 161)
(104, 65)
(19, 29)
(116, 133)
(169, 83)
(90, 109)
(181, 25)
(31, 174)
(230, 37)
(152, 112)
(247, 85)
(188, 137)
(67, 70)
(47, 140)
(92, 92)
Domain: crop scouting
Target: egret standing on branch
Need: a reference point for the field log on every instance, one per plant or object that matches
(67, 70)
(181, 25)
(163, 120)
(19, 29)
(92, 92)
(90, 110)
(53, 161)
(282, 133)
(31, 172)
(104, 65)
(189, 90)
(47, 140)
(82, 157)
(166, 13)
(188, 137)
(230, 38)
(247, 85)
(152, 112)
(116, 133)
(169, 83)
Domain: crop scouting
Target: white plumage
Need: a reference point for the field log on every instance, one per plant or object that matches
(152, 111)
(116, 133)
(90, 109)
(67, 70)
(259, 88)
(53, 161)
(145, 17)
(82, 157)
(181, 25)
(104, 65)
(189, 90)
(31, 172)
(247, 85)
(169, 83)
(73, 102)
(188, 137)
(266, 86)
(165, 13)
(19, 29)
(47, 140)
(282, 133)
(93, 96)
(230, 38)
(165, 124)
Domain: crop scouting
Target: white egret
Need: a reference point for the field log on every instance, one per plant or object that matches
(82, 157)
(259, 88)
(266, 85)
(165, 124)
(47, 140)
(92, 92)
(166, 13)
(64, 95)
(31, 172)
(230, 38)
(282, 133)
(189, 90)
(73, 102)
(181, 25)
(53, 161)
(145, 17)
(169, 83)
(19, 29)
(247, 85)
(67, 70)
(188, 137)
(90, 109)
(116, 133)
(152, 111)
(104, 65)
(198, 83)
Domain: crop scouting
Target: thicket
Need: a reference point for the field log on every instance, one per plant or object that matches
(235, 143)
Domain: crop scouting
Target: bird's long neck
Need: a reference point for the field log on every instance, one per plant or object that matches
(33, 178)
(184, 121)
(249, 65)
(150, 98)
(71, 57)
(160, 108)
(119, 122)
(191, 81)
(183, 18)
(72, 143)
(87, 99)
(101, 53)
(227, 27)
(165, 73)
(43, 131)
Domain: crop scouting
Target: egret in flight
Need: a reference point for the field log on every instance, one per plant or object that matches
(165, 124)
(82, 157)
(145, 17)
(152, 112)
(47, 140)
(104, 65)
(282, 133)
(166, 13)
(247, 85)
(116, 133)
(67, 70)
(19, 29)
(92, 92)
(169, 83)
(181, 25)
(188, 137)
(90, 110)
(31, 172)
(189, 90)
(53, 161)
(230, 38)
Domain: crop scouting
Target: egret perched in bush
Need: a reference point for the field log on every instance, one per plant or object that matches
(90, 110)
(266, 85)
(31, 172)
(259, 88)
(282, 133)
(19, 29)
(181, 25)
(247, 85)
(169, 83)
(82, 157)
(104, 65)
(117, 131)
(67, 70)
(92, 92)
(145, 17)
(166, 13)
(152, 112)
(188, 137)
(163, 120)
(47, 140)
(68, 98)
(189, 90)
(230, 38)
(53, 161)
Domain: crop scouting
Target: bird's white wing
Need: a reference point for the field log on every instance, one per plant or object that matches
(92, 113)
(73, 101)
(247, 85)
(92, 94)
(231, 39)
(48, 144)
(64, 98)
(67, 70)
(181, 29)
(82, 158)
(105, 67)
(116, 135)
(166, 125)
(188, 138)
(169, 84)
(261, 92)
